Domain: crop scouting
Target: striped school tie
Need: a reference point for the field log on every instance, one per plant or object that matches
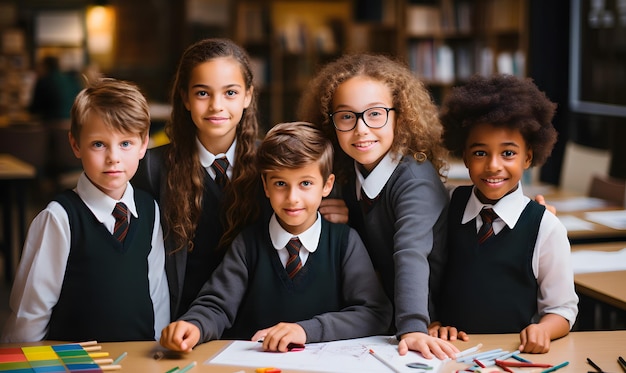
(366, 202)
(486, 230)
(120, 213)
(293, 262)
(220, 165)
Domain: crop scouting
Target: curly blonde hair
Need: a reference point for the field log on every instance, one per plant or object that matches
(185, 180)
(417, 131)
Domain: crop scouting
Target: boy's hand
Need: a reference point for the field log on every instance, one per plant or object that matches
(427, 345)
(535, 339)
(334, 210)
(180, 336)
(279, 336)
(447, 333)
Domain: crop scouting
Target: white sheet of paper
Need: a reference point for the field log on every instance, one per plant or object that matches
(578, 204)
(350, 355)
(586, 261)
(573, 223)
(615, 219)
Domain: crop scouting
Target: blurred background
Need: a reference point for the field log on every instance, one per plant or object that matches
(575, 50)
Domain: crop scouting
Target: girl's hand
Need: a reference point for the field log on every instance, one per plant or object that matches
(180, 336)
(427, 345)
(334, 210)
(447, 333)
(540, 199)
(279, 336)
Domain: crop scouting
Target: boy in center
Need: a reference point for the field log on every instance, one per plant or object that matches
(297, 278)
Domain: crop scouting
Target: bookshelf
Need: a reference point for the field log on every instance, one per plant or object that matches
(443, 41)
(287, 41)
(447, 41)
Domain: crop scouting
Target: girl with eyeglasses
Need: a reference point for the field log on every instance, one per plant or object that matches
(390, 166)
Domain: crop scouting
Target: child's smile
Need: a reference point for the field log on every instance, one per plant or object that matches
(496, 158)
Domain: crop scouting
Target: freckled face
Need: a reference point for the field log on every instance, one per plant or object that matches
(296, 194)
(110, 158)
(216, 97)
(496, 158)
(365, 145)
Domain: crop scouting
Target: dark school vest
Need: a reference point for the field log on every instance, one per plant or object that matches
(272, 297)
(205, 256)
(491, 288)
(105, 294)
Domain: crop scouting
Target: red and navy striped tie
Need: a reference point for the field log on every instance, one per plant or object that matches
(120, 212)
(220, 165)
(486, 230)
(293, 262)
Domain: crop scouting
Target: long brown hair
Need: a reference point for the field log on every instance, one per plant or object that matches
(185, 180)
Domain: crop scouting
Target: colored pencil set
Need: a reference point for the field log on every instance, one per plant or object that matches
(73, 357)
(498, 357)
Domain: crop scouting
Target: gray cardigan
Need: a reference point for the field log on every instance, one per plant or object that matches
(368, 311)
(404, 233)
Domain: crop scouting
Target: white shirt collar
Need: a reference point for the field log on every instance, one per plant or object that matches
(309, 238)
(509, 208)
(207, 158)
(376, 180)
(101, 204)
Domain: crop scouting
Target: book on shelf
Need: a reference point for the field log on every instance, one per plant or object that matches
(423, 20)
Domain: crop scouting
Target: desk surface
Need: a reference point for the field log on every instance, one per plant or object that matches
(597, 231)
(607, 287)
(602, 347)
(14, 168)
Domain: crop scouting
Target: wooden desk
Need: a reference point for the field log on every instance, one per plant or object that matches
(13, 173)
(598, 232)
(607, 287)
(602, 347)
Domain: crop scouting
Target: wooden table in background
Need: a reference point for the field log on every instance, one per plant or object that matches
(607, 287)
(13, 174)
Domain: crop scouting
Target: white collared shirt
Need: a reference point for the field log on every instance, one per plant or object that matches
(207, 158)
(374, 183)
(551, 262)
(309, 239)
(39, 278)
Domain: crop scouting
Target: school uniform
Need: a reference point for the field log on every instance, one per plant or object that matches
(403, 229)
(77, 282)
(188, 271)
(516, 276)
(335, 295)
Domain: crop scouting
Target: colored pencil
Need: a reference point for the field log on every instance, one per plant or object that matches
(103, 361)
(172, 370)
(187, 368)
(110, 367)
(120, 358)
(594, 365)
(519, 358)
(622, 363)
(469, 350)
(556, 367)
(379, 358)
(94, 355)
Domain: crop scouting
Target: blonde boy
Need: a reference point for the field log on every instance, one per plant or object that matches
(86, 274)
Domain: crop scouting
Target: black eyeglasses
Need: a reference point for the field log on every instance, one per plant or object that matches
(374, 117)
